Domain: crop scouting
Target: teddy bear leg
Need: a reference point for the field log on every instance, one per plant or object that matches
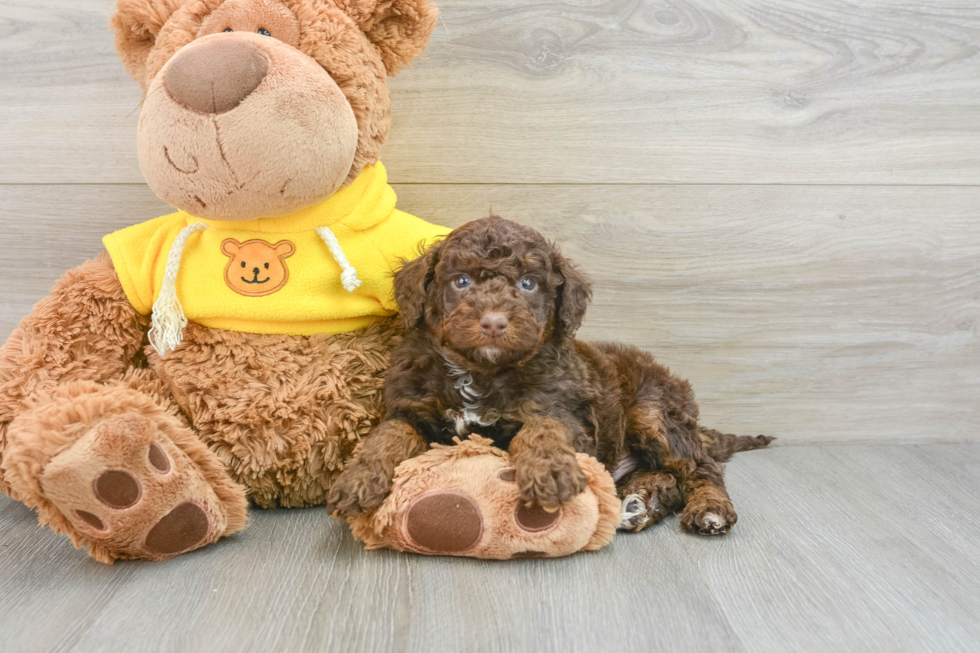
(120, 474)
(648, 498)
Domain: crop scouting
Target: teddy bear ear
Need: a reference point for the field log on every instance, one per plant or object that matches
(137, 23)
(400, 29)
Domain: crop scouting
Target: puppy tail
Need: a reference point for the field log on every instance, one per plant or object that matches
(722, 446)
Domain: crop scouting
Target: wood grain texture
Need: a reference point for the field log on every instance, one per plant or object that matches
(581, 91)
(813, 313)
(856, 548)
(738, 178)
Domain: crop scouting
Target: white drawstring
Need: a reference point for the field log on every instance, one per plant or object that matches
(168, 315)
(348, 277)
(168, 319)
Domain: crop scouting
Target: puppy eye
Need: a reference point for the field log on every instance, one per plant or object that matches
(527, 283)
(228, 29)
(462, 281)
(264, 32)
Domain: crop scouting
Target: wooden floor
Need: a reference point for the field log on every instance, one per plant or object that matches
(838, 548)
(780, 200)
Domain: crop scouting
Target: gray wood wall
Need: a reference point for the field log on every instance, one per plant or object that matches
(779, 199)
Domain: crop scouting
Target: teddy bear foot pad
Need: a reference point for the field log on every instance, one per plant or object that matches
(463, 500)
(127, 486)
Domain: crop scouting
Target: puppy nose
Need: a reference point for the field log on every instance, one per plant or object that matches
(217, 76)
(493, 325)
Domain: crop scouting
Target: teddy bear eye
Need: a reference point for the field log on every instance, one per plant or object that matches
(243, 263)
(264, 32)
(228, 29)
(266, 266)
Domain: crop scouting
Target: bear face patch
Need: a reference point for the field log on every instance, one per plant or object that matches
(257, 268)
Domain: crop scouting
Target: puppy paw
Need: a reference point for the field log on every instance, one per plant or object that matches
(548, 478)
(709, 518)
(361, 488)
(648, 499)
(635, 514)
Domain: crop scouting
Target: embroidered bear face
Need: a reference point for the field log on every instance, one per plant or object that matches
(257, 268)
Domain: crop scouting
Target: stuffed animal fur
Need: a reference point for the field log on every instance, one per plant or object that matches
(234, 350)
(463, 500)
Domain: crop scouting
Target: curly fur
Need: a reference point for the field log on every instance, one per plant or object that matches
(85, 330)
(536, 389)
(280, 412)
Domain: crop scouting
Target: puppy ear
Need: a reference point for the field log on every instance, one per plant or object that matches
(137, 23)
(400, 29)
(412, 285)
(572, 296)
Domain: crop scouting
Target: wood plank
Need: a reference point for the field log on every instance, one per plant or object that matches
(813, 313)
(826, 556)
(849, 563)
(580, 91)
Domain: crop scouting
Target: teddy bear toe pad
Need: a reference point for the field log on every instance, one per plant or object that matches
(126, 485)
(464, 500)
(466, 520)
(444, 522)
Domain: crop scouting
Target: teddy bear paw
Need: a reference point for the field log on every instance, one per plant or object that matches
(128, 489)
(487, 517)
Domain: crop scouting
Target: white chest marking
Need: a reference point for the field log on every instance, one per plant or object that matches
(471, 412)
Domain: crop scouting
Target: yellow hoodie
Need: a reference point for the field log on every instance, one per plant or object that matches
(325, 269)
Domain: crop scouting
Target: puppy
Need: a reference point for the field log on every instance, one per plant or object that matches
(491, 314)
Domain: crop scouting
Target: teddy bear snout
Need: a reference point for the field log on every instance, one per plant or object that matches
(216, 76)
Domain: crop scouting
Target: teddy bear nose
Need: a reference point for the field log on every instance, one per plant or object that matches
(217, 76)
(493, 325)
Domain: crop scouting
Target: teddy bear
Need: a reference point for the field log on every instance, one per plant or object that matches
(233, 351)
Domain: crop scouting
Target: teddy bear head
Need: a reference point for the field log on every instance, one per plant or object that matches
(260, 108)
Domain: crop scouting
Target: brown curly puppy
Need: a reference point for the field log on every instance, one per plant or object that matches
(491, 314)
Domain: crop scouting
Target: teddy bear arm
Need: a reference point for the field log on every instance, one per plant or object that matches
(85, 330)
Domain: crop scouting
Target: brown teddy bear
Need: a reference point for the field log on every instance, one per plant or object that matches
(235, 348)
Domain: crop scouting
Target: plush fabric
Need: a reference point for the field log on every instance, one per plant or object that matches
(213, 282)
(246, 16)
(463, 500)
(136, 455)
(66, 444)
(357, 42)
(288, 144)
(282, 413)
